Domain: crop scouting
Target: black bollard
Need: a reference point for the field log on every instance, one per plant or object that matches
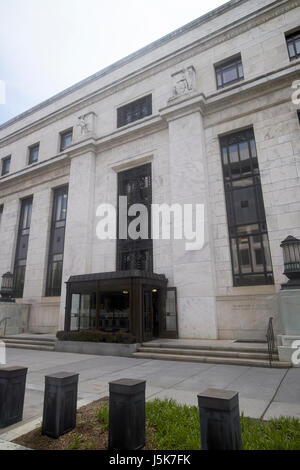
(12, 392)
(220, 420)
(127, 414)
(60, 404)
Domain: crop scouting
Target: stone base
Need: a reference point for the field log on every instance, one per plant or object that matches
(285, 349)
(289, 308)
(18, 315)
(97, 349)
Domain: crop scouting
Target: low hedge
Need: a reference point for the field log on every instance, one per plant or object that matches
(96, 336)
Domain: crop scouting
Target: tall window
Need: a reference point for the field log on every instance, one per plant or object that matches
(134, 111)
(33, 154)
(229, 72)
(5, 166)
(1, 212)
(136, 185)
(66, 139)
(57, 240)
(22, 247)
(250, 252)
(293, 44)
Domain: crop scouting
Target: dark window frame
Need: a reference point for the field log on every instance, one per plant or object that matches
(63, 135)
(22, 246)
(291, 39)
(234, 62)
(134, 111)
(30, 153)
(57, 224)
(3, 163)
(135, 254)
(252, 231)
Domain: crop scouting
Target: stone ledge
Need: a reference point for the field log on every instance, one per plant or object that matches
(97, 349)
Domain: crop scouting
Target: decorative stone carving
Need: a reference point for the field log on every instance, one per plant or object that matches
(85, 126)
(184, 81)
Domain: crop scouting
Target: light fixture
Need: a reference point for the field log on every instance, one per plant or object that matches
(291, 257)
(154, 291)
(125, 292)
(7, 287)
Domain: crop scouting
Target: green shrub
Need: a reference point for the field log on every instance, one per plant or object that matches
(96, 336)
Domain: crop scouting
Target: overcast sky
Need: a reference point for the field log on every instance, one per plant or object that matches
(48, 45)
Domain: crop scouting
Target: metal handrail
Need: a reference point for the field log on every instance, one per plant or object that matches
(270, 340)
(4, 320)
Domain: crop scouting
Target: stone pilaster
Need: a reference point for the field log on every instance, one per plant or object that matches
(193, 271)
(80, 220)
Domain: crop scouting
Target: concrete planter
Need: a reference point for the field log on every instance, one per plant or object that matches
(97, 349)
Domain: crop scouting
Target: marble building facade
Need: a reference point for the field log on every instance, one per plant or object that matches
(194, 105)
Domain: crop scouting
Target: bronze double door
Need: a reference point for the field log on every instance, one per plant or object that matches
(159, 313)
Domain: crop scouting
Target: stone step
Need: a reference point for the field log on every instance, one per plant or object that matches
(29, 338)
(212, 360)
(28, 341)
(30, 346)
(209, 347)
(213, 353)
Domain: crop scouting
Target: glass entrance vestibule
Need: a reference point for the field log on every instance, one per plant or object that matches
(135, 302)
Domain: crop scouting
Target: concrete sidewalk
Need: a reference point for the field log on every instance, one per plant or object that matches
(264, 393)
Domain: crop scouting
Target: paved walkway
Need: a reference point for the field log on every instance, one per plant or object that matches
(264, 393)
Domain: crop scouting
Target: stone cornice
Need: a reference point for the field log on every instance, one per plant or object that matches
(184, 105)
(32, 170)
(236, 28)
(234, 95)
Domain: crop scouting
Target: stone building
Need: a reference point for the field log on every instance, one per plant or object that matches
(202, 116)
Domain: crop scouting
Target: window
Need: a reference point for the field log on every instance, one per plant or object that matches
(5, 166)
(293, 45)
(134, 111)
(57, 241)
(249, 243)
(33, 154)
(229, 72)
(1, 212)
(66, 139)
(136, 185)
(298, 112)
(22, 247)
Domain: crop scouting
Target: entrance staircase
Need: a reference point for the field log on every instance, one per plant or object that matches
(36, 342)
(211, 352)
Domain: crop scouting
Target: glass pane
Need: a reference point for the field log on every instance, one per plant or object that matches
(267, 252)
(58, 207)
(253, 148)
(75, 308)
(219, 79)
(244, 252)
(114, 311)
(291, 49)
(297, 45)
(171, 319)
(230, 74)
(85, 312)
(257, 254)
(244, 151)
(241, 71)
(233, 153)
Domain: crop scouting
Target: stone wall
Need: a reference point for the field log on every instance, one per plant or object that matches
(18, 314)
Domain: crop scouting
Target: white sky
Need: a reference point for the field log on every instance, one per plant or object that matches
(48, 45)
